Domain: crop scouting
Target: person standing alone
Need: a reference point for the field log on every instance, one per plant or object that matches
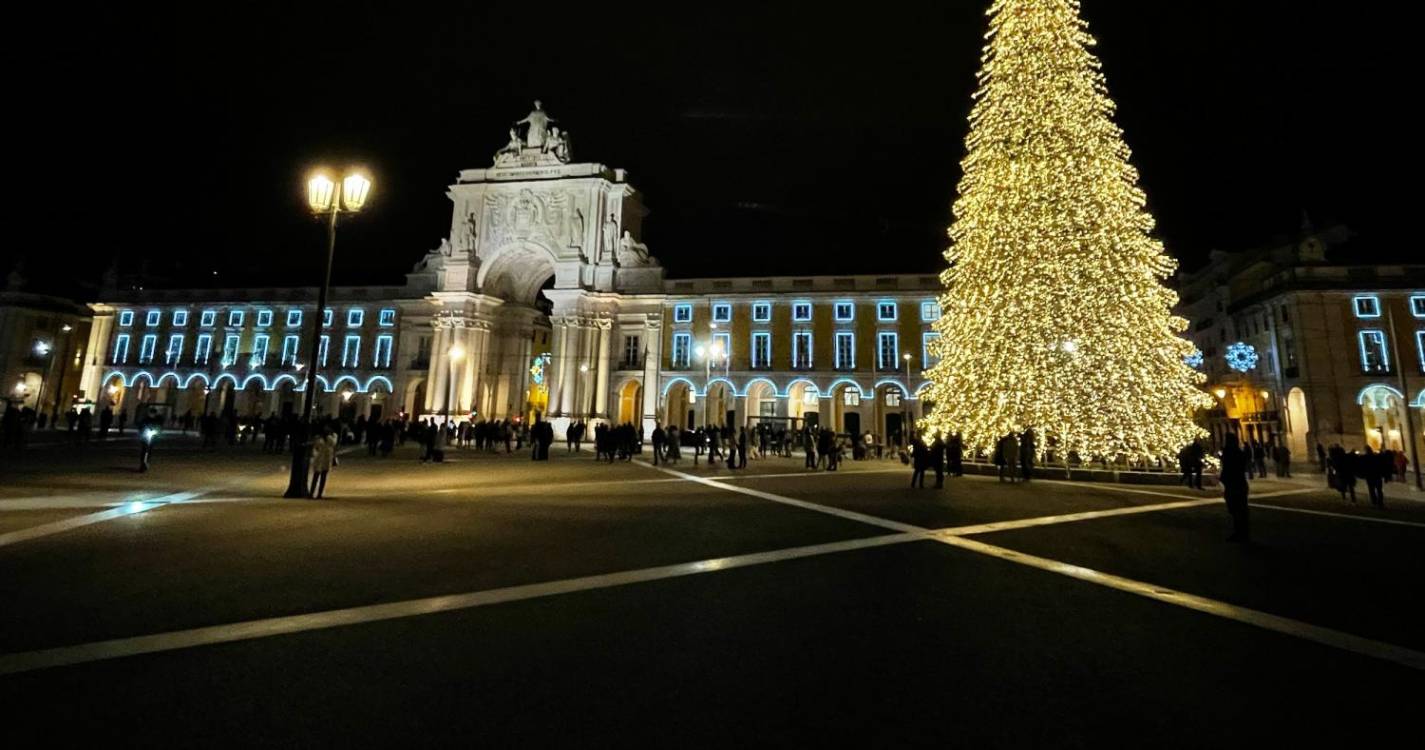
(1236, 466)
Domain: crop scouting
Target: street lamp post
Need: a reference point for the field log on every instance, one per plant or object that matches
(326, 198)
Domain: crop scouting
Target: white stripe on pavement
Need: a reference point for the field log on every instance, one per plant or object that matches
(1025, 523)
(1329, 514)
(181, 639)
(126, 509)
(1285, 625)
(828, 510)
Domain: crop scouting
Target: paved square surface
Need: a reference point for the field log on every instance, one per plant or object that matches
(495, 600)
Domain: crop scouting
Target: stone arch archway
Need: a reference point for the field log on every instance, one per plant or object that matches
(517, 272)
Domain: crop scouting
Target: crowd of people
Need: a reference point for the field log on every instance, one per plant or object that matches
(1344, 468)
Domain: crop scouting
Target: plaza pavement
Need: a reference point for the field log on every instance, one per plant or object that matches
(494, 600)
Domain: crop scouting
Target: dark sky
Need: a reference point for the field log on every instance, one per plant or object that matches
(764, 141)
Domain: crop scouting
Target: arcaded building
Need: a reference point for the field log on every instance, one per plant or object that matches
(542, 301)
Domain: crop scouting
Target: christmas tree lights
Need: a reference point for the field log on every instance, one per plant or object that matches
(1055, 315)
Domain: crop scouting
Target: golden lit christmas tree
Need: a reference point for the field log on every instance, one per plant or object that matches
(1055, 315)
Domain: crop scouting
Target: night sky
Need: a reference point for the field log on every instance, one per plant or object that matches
(764, 141)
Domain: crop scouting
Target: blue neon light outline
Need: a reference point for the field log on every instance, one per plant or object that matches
(381, 317)
(1384, 348)
(1356, 305)
(895, 311)
(765, 304)
(721, 304)
(1361, 397)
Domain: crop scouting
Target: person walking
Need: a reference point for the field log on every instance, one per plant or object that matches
(147, 431)
(1259, 457)
(1236, 466)
(322, 460)
(1343, 472)
(742, 448)
(659, 438)
(955, 455)
(1372, 470)
(809, 447)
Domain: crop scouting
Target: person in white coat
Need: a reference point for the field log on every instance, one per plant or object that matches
(323, 457)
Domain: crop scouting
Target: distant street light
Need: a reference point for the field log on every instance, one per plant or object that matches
(325, 198)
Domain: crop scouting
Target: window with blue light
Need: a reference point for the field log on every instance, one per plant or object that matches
(927, 360)
(354, 316)
(231, 342)
(204, 349)
(327, 315)
(722, 312)
(174, 352)
(289, 350)
(801, 312)
(682, 313)
(153, 318)
(294, 318)
(264, 318)
(761, 312)
(929, 311)
(180, 317)
(126, 318)
(885, 310)
(1417, 305)
(1374, 356)
(208, 318)
(845, 312)
(845, 350)
(121, 349)
(1420, 348)
(146, 348)
(383, 351)
(801, 350)
(322, 348)
(234, 318)
(681, 355)
(259, 350)
(887, 351)
(351, 352)
(387, 317)
(1366, 305)
(761, 351)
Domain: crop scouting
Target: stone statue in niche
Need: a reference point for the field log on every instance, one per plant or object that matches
(538, 121)
(631, 252)
(444, 249)
(470, 232)
(610, 244)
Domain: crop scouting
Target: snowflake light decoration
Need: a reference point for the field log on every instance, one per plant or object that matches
(1241, 356)
(1193, 360)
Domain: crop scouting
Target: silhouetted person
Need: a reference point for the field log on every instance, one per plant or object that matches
(1005, 452)
(1235, 468)
(1369, 467)
(1343, 471)
(955, 455)
(919, 462)
(1026, 454)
